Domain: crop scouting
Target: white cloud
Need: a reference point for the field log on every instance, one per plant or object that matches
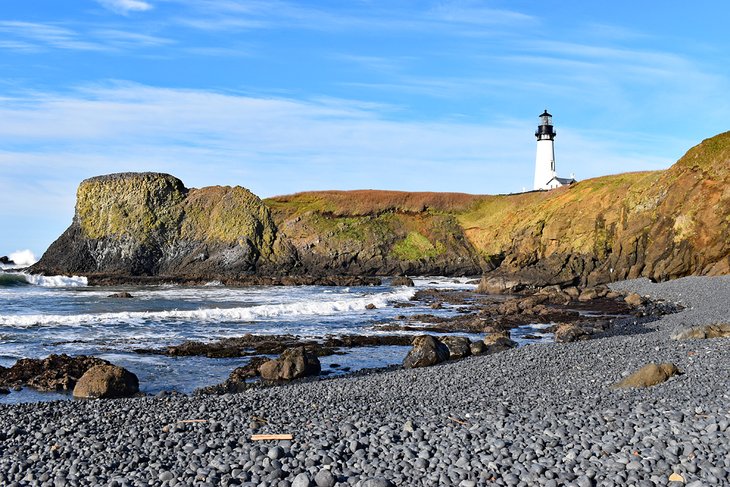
(124, 7)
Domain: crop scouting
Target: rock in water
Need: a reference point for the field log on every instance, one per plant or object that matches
(426, 351)
(717, 330)
(402, 281)
(497, 285)
(568, 332)
(459, 347)
(293, 363)
(122, 295)
(151, 224)
(649, 375)
(6, 260)
(53, 373)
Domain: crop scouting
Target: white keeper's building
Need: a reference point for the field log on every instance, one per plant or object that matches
(545, 175)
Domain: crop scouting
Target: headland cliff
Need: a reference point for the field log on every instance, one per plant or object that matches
(660, 224)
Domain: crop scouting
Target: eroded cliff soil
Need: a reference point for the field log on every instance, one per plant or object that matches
(661, 224)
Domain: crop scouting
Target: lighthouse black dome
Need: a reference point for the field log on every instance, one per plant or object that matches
(545, 129)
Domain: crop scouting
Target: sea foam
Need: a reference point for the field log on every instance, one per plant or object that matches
(23, 278)
(245, 314)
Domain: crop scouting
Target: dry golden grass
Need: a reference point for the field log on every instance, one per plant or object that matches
(373, 202)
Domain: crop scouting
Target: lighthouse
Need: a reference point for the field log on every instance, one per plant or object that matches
(545, 175)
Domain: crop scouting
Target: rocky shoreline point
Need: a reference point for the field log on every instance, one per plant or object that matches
(543, 414)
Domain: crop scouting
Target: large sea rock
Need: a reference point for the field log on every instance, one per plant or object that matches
(660, 224)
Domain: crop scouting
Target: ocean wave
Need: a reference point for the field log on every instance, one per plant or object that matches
(11, 279)
(307, 307)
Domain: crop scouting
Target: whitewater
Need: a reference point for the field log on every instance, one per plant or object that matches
(44, 315)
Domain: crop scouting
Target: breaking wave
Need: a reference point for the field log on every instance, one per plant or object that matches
(245, 314)
(11, 279)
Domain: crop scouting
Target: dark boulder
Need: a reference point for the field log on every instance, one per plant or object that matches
(123, 295)
(426, 351)
(106, 382)
(53, 373)
(568, 332)
(499, 342)
(6, 260)
(459, 347)
(293, 363)
(402, 281)
(477, 347)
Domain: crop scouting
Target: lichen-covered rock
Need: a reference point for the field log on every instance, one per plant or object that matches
(649, 375)
(459, 347)
(293, 363)
(53, 373)
(717, 330)
(106, 382)
(426, 351)
(150, 224)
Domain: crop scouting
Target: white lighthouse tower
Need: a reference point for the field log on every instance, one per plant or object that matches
(545, 175)
(545, 156)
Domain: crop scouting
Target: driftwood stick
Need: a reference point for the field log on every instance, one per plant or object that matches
(283, 436)
(456, 420)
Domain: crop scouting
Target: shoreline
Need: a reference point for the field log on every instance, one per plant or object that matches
(542, 414)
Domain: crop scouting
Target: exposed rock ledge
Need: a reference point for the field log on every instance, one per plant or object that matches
(661, 225)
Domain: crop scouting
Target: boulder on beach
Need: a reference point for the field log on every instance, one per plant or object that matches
(477, 347)
(459, 347)
(649, 375)
(426, 351)
(716, 330)
(402, 281)
(499, 341)
(53, 373)
(633, 299)
(293, 363)
(106, 382)
(569, 332)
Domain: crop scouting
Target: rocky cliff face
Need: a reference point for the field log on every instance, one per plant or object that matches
(661, 224)
(150, 224)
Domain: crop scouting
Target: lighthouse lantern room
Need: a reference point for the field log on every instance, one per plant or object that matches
(545, 175)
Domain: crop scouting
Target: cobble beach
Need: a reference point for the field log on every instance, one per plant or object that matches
(543, 414)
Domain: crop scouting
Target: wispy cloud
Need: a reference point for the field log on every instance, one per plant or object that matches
(127, 39)
(125, 7)
(39, 35)
(368, 16)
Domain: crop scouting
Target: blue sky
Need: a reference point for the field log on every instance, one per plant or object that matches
(282, 97)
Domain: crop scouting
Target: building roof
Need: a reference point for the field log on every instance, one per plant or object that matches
(562, 181)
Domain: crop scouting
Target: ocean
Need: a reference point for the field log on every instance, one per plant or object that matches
(41, 315)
